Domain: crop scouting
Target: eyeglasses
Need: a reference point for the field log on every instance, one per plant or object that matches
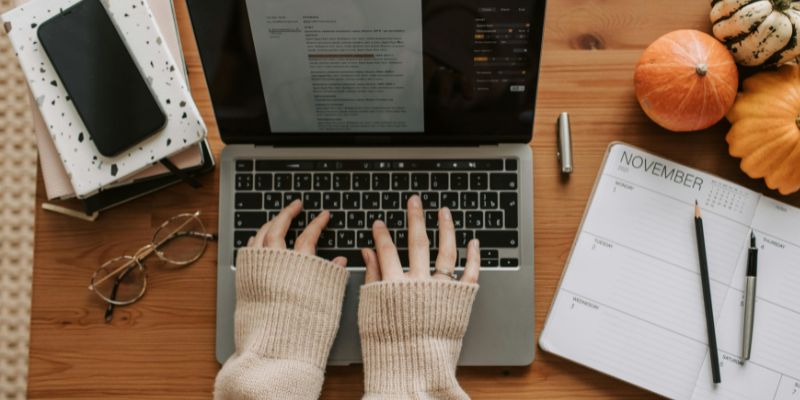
(179, 241)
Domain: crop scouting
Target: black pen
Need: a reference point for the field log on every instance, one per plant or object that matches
(750, 297)
(705, 280)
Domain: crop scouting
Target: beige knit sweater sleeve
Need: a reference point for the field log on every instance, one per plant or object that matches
(287, 313)
(411, 334)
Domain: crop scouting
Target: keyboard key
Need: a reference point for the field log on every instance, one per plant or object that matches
(459, 181)
(478, 181)
(341, 181)
(291, 238)
(503, 181)
(360, 181)
(458, 219)
(372, 216)
(272, 201)
(488, 200)
(240, 238)
(289, 197)
(488, 253)
(244, 220)
(338, 220)
(327, 239)
(322, 181)
(325, 165)
(244, 165)
(439, 181)
(509, 262)
(356, 220)
(511, 164)
(508, 201)
(302, 181)
(283, 182)
(474, 219)
(431, 219)
(380, 181)
(396, 219)
(390, 201)
(382, 165)
(469, 200)
(492, 262)
(450, 200)
(419, 181)
(247, 201)
(263, 181)
(431, 237)
(351, 201)
(364, 239)
(299, 222)
(371, 200)
(345, 239)
(494, 219)
(463, 237)
(331, 201)
(501, 239)
(430, 200)
(401, 239)
(244, 181)
(312, 201)
(400, 181)
(354, 258)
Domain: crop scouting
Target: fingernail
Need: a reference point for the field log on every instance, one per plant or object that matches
(378, 224)
(415, 201)
(475, 243)
(446, 214)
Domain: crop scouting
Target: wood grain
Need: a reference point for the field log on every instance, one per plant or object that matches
(163, 346)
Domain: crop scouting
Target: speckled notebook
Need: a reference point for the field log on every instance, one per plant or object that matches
(89, 171)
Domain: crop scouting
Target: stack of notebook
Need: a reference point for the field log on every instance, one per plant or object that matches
(73, 168)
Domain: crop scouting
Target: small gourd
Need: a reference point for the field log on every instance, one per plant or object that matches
(758, 32)
(765, 131)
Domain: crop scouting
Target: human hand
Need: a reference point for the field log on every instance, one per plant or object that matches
(386, 266)
(273, 233)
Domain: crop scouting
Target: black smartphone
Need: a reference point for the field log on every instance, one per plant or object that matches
(102, 79)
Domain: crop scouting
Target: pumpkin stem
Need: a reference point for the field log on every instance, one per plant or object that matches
(701, 69)
(781, 5)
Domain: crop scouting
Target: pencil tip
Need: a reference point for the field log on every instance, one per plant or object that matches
(696, 209)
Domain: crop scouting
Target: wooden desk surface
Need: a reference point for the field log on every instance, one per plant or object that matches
(163, 346)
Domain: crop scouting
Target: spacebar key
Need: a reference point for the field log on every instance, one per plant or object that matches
(354, 258)
(490, 239)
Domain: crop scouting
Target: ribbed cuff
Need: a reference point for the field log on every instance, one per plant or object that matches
(411, 333)
(288, 304)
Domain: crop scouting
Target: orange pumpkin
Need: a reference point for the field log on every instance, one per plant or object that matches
(765, 128)
(686, 81)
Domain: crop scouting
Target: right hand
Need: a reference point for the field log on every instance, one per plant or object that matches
(386, 266)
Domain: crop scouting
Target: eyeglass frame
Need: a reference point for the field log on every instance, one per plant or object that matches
(145, 251)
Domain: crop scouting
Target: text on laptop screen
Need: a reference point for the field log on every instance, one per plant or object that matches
(445, 67)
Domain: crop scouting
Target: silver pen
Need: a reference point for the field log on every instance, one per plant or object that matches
(750, 297)
(564, 144)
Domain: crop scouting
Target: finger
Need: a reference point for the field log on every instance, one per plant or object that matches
(276, 234)
(251, 241)
(373, 273)
(448, 253)
(258, 241)
(306, 243)
(419, 256)
(388, 260)
(473, 267)
(340, 261)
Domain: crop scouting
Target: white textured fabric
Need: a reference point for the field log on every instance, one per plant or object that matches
(17, 202)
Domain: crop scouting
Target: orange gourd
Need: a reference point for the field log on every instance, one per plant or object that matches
(686, 81)
(765, 131)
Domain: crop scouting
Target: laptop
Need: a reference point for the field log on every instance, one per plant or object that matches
(355, 105)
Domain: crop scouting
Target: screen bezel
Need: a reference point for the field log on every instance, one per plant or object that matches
(232, 135)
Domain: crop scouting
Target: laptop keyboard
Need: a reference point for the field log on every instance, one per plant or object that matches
(482, 195)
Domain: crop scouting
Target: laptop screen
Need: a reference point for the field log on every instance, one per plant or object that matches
(344, 68)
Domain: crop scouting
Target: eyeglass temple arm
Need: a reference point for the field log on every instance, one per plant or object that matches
(117, 281)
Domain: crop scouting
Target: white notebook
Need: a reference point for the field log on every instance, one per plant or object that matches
(89, 171)
(630, 300)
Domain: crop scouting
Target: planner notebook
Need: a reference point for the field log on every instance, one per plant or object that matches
(630, 301)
